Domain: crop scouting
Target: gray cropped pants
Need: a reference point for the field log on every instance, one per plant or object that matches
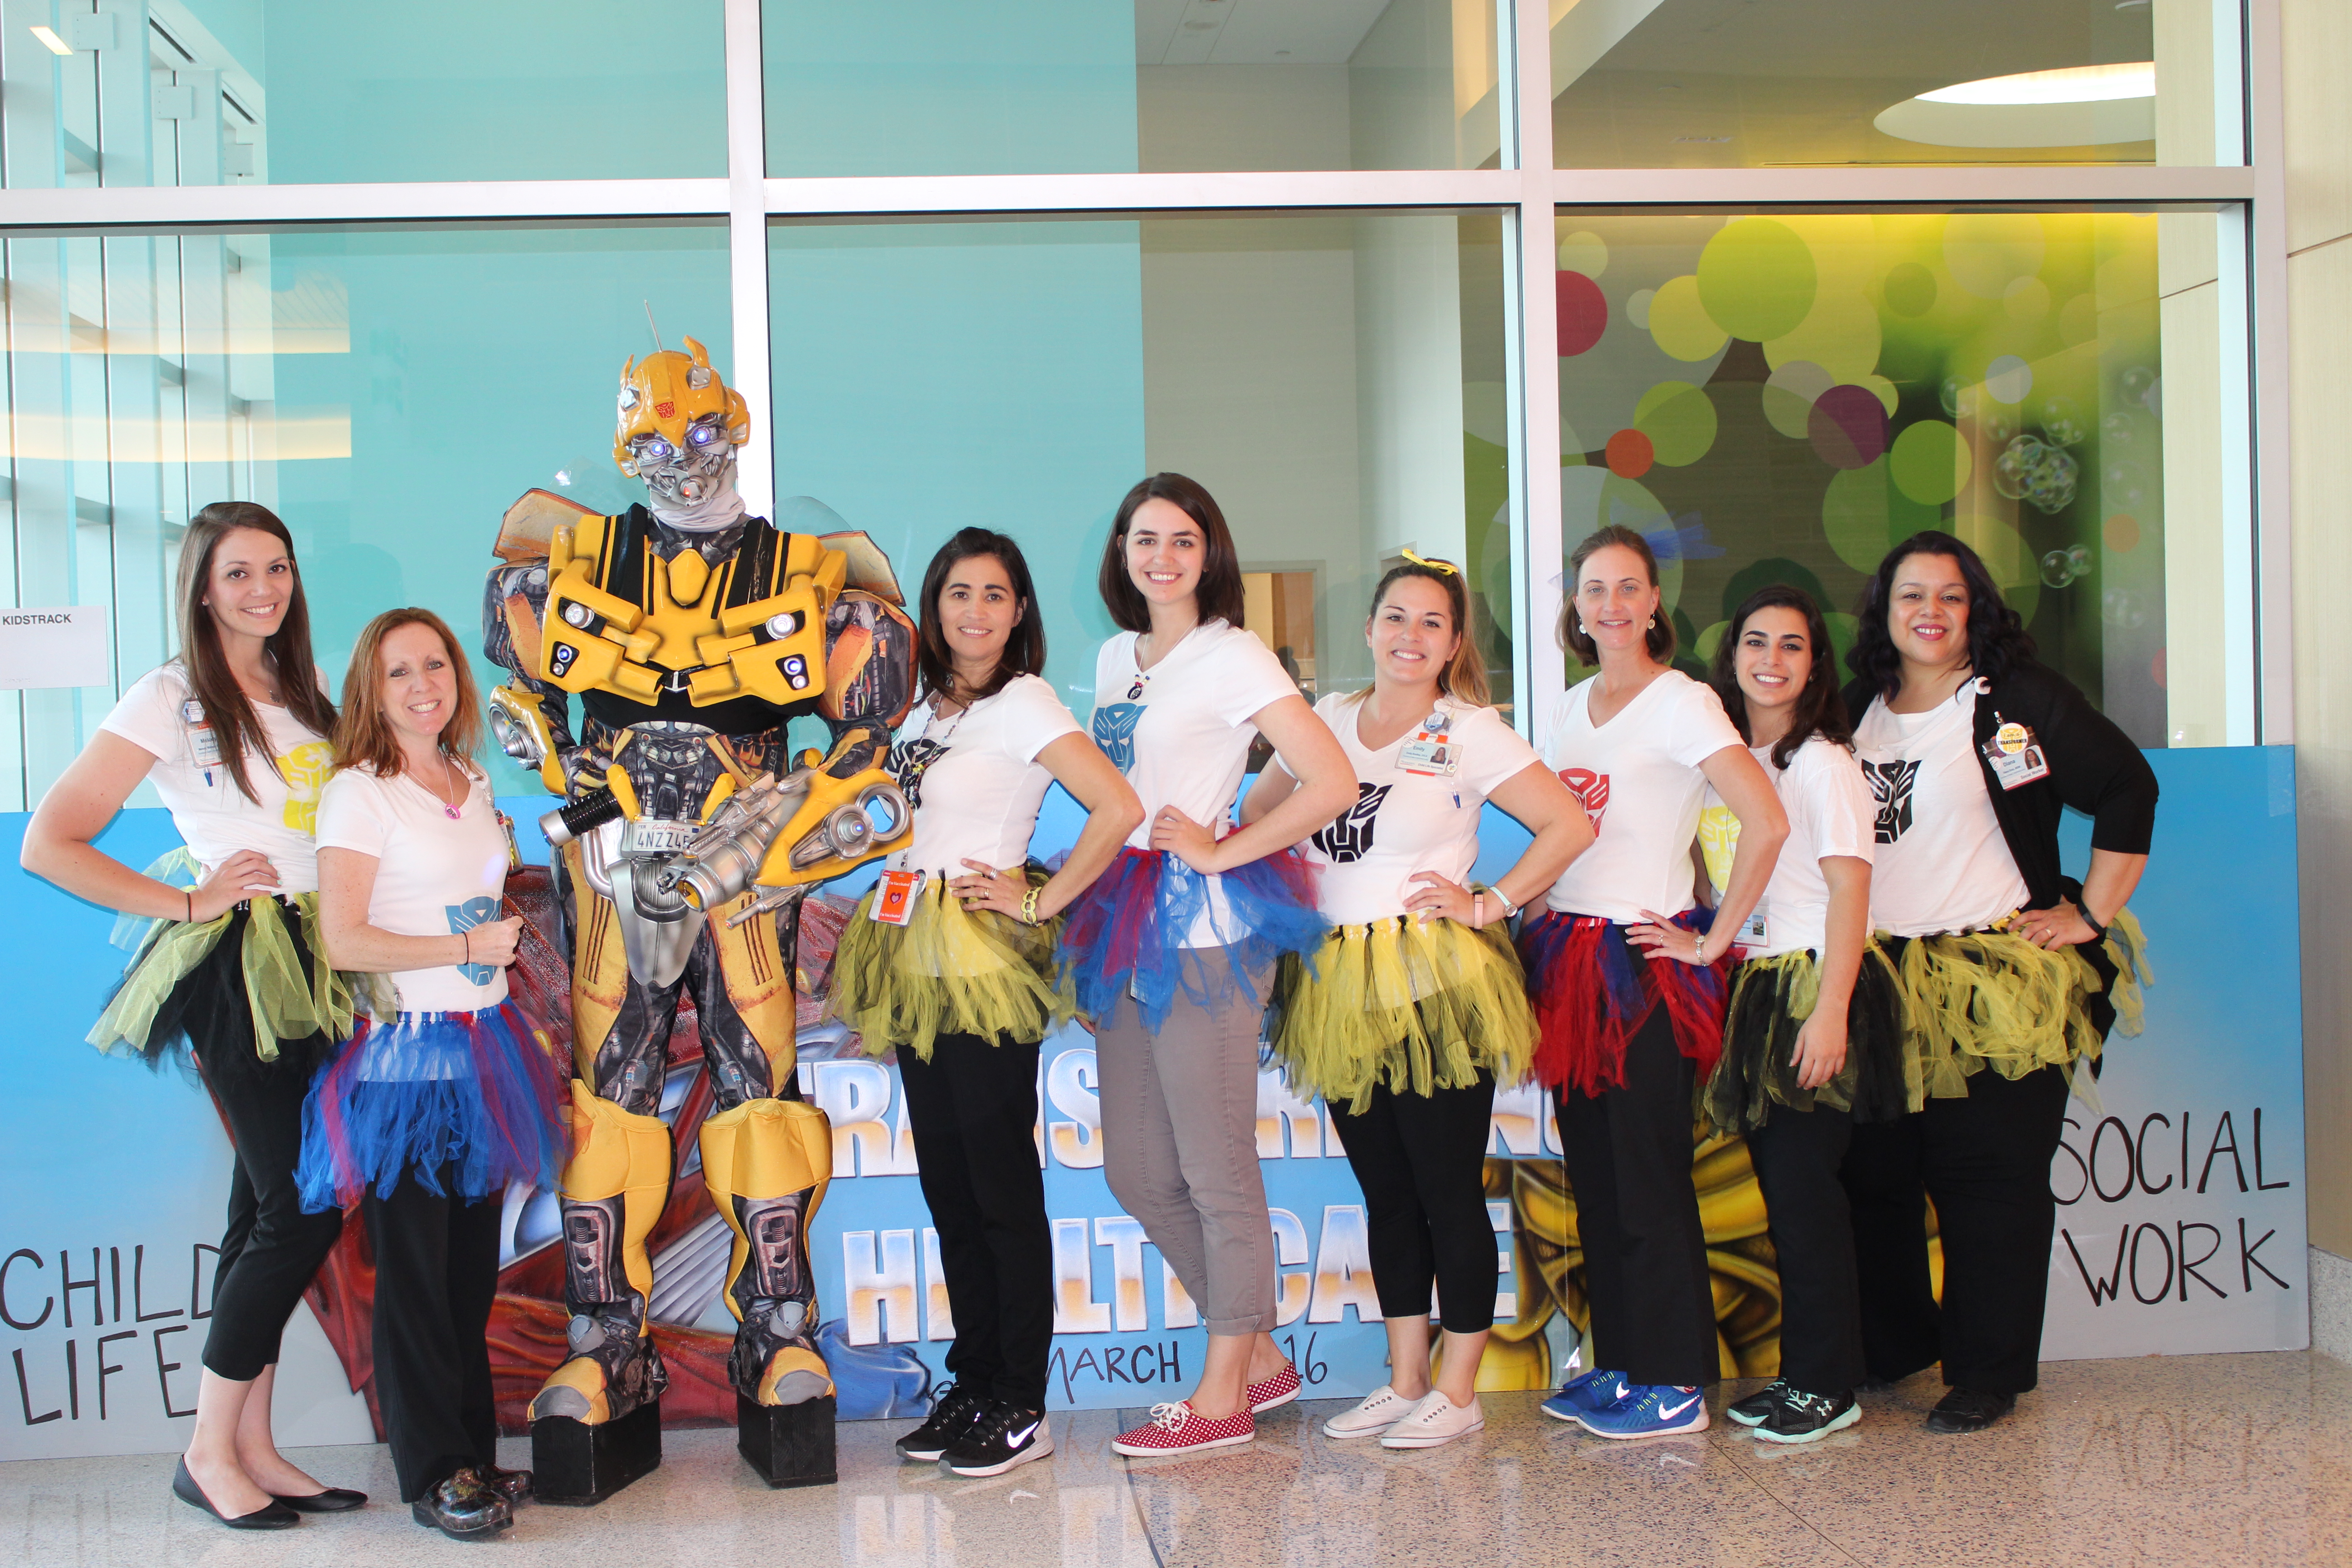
(1180, 1148)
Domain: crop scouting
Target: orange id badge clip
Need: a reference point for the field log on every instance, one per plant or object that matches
(894, 897)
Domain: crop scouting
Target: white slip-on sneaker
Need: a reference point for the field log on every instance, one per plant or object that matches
(1435, 1420)
(1381, 1409)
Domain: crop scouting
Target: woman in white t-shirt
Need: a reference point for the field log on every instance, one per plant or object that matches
(233, 734)
(2012, 971)
(430, 1112)
(1414, 1007)
(1812, 1040)
(949, 962)
(1173, 947)
(1625, 972)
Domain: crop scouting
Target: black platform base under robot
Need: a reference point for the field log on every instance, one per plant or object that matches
(788, 1444)
(572, 1462)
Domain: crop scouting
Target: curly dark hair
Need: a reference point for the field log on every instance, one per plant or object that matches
(1820, 707)
(1998, 640)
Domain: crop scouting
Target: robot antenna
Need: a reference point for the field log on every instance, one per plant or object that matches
(656, 331)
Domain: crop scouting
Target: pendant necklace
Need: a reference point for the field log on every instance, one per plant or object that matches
(453, 812)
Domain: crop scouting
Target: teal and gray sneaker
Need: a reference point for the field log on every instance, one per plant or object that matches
(1595, 1390)
(1807, 1417)
(1653, 1410)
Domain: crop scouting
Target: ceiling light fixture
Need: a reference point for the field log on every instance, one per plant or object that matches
(2073, 84)
(56, 44)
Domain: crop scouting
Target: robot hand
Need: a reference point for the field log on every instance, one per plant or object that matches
(828, 816)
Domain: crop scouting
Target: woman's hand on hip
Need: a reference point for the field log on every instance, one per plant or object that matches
(1437, 896)
(1180, 836)
(245, 874)
(2060, 925)
(991, 889)
(1660, 938)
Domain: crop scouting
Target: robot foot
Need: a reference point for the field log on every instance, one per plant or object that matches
(613, 1369)
(774, 1364)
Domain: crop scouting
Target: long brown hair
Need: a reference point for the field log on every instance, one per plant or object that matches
(364, 733)
(1819, 708)
(1025, 649)
(1659, 637)
(1464, 679)
(227, 709)
(1217, 594)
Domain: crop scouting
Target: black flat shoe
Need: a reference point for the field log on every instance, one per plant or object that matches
(513, 1485)
(329, 1499)
(269, 1516)
(463, 1508)
(1968, 1410)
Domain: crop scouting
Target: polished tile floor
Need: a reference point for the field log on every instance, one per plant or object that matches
(2240, 1459)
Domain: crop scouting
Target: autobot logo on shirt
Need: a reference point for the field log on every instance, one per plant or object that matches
(1349, 838)
(908, 762)
(1115, 732)
(306, 770)
(465, 917)
(1590, 790)
(1890, 785)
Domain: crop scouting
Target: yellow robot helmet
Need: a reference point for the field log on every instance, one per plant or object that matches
(672, 396)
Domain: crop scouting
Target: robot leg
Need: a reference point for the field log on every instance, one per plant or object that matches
(613, 1190)
(767, 1163)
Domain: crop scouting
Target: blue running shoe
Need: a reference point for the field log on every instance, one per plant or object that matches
(1595, 1390)
(1656, 1410)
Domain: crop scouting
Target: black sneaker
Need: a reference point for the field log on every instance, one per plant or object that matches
(1005, 1436)
(953, 1411)
(1759, 1407)
(1805, 1418)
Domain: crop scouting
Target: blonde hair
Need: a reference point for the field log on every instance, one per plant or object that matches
(364, 732)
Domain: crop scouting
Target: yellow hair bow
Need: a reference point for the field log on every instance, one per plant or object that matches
(1447, 567)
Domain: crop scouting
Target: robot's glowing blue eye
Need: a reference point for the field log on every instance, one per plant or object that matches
(706, 435)
(653, 450)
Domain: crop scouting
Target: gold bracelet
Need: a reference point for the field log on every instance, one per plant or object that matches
(1029, 906)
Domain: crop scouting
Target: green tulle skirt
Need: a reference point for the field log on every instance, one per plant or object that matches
(948, 970)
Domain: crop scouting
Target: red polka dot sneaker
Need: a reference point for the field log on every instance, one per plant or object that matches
(1176, 1429)
(1279, 1389)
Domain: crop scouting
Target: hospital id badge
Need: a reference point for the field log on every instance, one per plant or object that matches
(2015, 756)
(1754, 929)
(894, 897)
(1430, 756)
(202, 737)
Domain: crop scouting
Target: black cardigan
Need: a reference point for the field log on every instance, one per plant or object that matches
(2094, 767)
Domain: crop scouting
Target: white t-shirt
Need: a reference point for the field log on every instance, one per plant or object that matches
(974, 779)
(1829, 813)
(160, 714)
(1942, 863)
(1182, 732)
(1408, 822)
(1638, 778)
(434, 876)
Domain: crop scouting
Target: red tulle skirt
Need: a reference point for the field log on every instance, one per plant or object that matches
(1592, 990)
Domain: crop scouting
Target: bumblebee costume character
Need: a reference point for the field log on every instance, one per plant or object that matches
(691, 633)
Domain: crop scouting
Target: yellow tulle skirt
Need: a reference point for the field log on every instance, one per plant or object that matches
(1399, 1002)
(947, 971)
(1991, 1000)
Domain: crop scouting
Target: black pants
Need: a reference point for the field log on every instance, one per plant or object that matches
(270, 1249)
(972, 1110)
(1985, 1160)
(1422, 1160)
(1645, 1273)
(437, 1274)
(1797, 1154)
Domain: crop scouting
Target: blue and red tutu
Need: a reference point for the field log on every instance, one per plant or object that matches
(469, 1097)
(1593, 991)
(1125, 934)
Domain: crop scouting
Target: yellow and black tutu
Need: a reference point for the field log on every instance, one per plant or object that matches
(948, 970)
(1408, 1005)
(1991, 999)
(1770, 1000)
(248, 984)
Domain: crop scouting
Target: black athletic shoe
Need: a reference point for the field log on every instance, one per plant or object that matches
(1759, 1407)
(953, 1413)
(1805, 1418)
(1968, 1410)
(1006, 1435)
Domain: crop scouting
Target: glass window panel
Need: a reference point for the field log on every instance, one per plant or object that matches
(1698, 84)
(1113, 85)
(209, 92)
(1783, 397)
(1334, 380)
(388, 394)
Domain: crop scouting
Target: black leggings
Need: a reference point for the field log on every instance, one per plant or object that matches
(972, 1110)
(270, 1249)
(1645, 1271)
(1421, 1160)
(436, 1276)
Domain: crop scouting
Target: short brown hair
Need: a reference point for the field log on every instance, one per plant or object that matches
(362, 733)
(1660, 637)
(1219, 594)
